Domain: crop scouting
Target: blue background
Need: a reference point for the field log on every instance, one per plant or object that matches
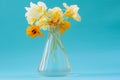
(93, 45)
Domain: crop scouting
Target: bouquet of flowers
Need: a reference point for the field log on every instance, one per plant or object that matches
(40, 18)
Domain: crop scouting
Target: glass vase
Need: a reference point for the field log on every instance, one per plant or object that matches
(54, 61)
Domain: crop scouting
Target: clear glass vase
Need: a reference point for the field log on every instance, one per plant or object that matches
(54, 60)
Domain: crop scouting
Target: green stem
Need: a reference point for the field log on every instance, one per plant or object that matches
(53, 44)
(61, 46)
(58, 41)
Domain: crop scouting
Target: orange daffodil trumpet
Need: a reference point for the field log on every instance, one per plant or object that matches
(40, 18)
(33, 31)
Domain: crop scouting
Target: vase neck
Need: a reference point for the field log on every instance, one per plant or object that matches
(55, 37)
(52, 31)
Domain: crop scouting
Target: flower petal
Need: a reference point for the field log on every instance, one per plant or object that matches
(66, 25)
(41, 34)
(27, 8)
(77, 17)
(32, 4)
(65, 5)
(42, 4)
(62, 31)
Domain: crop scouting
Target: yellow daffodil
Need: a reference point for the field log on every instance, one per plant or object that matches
(43, 23)
(35, 11)
(33, 31)
(72, 12)
(64, 26)
(56, 14)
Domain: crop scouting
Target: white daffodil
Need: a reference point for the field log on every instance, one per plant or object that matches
(72, 12)
(35, 11)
